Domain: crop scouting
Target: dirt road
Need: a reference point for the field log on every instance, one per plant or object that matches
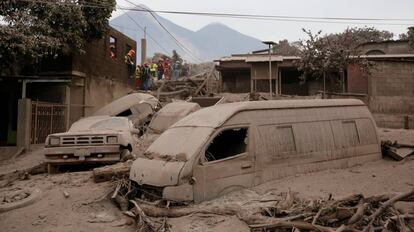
(73, 202)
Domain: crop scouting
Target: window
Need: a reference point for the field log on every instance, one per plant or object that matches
(227, 143)
(313, 137)
(351, 138)
(276, 141)
(284, 140)
(366, 131)
(125, 113)
(112, 47)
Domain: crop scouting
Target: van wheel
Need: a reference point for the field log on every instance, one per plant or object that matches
(52, 169)
(126, 155)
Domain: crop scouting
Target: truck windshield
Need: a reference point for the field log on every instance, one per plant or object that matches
(118, 124)
(179, 143)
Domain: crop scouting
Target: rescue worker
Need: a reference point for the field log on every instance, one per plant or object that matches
(153, 69)
(176, 70)
(167, 69)
(160, 69)
(129, 60)
(138, 77)
(145, 76)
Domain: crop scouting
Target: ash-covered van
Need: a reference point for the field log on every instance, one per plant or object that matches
(239, 145)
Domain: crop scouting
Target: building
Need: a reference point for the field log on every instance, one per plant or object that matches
(388, 90)
(63, 89)
(245, 73)
(390, 87)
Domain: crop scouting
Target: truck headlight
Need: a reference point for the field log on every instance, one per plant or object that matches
(112, 139)
(54, 141)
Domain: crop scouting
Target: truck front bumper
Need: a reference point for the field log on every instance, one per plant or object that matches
(82, 154)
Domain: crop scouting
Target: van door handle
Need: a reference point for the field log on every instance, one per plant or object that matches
(246, 165)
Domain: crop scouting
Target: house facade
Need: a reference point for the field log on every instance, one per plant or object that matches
(390, 87)
(245, 73)
(64, 89)
(388, 90)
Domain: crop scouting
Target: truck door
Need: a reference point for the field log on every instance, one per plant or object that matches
(227, 164)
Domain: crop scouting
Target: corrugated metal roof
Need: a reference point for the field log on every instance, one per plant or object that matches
(215, 116)
(248, 58)
(233, 58)
(263, 58)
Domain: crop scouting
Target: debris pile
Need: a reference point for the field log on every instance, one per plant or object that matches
(397, 151)
(200, 84)
(287, 213)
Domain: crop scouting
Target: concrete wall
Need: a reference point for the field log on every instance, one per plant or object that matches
(388, 47)
(392, 87)
(101, 91)
(96, 62)
(391, 91)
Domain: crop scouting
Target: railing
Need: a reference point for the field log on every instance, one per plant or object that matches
(47, 118)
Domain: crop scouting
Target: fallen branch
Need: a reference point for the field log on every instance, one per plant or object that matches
(359, 214)
(384, 206)
(143, 217)
(261, 222)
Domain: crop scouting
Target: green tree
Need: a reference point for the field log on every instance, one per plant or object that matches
(331, 54)
(32, 30)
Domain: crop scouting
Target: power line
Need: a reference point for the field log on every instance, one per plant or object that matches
(179, 44)
(337, 20)
(143, 29)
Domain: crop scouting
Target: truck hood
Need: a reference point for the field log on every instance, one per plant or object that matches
(86, 132)
(154, 172)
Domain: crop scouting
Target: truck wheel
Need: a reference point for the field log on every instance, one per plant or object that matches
(126, 155)
(52, 169)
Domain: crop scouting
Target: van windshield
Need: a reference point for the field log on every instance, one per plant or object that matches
(179, 144)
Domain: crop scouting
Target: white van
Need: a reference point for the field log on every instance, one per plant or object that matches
(239, 145)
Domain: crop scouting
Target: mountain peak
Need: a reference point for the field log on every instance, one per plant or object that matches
(210, 42)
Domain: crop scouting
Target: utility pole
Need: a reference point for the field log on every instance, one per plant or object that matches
(270, 43)
(144, 47)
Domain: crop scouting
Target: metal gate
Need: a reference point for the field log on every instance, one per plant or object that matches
(47, 118)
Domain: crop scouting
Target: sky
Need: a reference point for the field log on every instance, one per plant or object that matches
(278, 30)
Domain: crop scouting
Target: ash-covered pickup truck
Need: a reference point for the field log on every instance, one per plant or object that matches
(97, 139)
(106, 137)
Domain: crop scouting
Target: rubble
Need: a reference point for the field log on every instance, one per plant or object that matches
(397, 150)
(185, 87)
(353, 213)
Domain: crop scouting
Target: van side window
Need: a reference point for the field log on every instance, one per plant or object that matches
(366, 131)
(276, 140)
(227, 143)
(351, 137)
(285, 140)
(313, 137)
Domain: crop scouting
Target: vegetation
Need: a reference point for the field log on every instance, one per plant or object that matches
(409, 36)
(32, 30)
(285, 48)
(331, 54)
